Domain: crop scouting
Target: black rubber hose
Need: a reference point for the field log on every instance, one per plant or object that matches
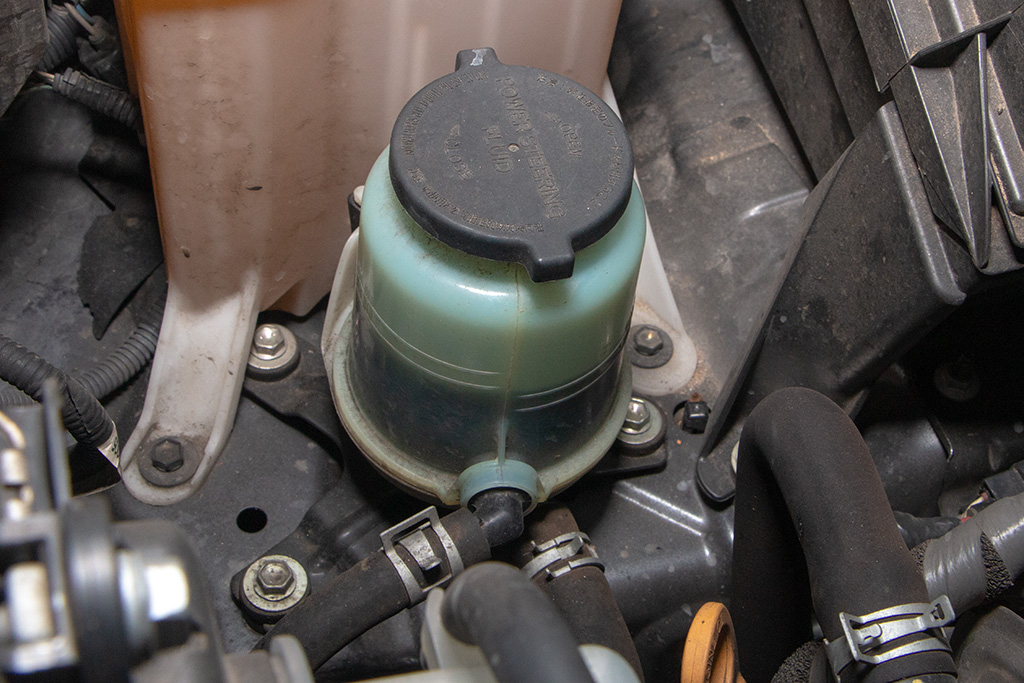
(500, 512)
(523, 636)
(128, 359)
(354, 602)
(582, 594)
(917, 530)
(63, 33)
(365, 595)
(99, 96)
(811, 510)
(83, 415)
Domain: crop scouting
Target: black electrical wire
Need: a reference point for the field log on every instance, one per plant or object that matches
(117, 369)
(128, 359)
(84, 417)
(98, 96)
(64, 31)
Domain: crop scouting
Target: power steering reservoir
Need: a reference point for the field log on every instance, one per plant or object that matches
(475, 332)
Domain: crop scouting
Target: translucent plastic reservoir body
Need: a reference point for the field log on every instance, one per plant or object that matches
(450, 360)
(456, 373)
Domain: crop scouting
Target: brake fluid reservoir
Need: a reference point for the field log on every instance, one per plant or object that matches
(500, 241)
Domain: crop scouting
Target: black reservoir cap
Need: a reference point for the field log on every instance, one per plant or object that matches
(512, 164)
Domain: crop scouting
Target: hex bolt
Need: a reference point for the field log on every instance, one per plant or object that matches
(274, 584)
(274, 579)
(274, 352)
(167, 455)
(638, 417)
(648, 341)
(268, 342)
(643, 430)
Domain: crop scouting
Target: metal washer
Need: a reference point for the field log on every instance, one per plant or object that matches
(285, 603)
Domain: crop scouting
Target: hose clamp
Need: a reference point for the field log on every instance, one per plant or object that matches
(561, 555)
(865, 637)
(423, 553)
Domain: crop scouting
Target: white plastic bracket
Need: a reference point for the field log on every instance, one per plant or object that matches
(192, 398)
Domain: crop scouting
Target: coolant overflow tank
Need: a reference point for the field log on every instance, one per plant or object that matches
(476, 341)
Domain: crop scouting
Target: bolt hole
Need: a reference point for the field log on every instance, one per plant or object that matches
(513, 147)
(251, 520)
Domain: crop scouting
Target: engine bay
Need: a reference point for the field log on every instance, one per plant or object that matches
(697, 363)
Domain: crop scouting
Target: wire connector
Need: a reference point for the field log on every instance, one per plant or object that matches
(865, 637)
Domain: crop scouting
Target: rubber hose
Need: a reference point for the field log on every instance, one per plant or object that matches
(979, 559)
(917, 530)
(811, 511)
(365, 595)
(84, 417)
(582, 594)
(500, 512)
(128, 359)
(62, 43)
(523, 636)
(99, 96)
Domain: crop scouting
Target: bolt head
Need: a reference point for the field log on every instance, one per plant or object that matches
(168, 455)
(648, 341)
(638, 416)
(268, 342)
(275, 578)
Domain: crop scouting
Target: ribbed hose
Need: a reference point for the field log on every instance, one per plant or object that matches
(116, 370)
(83, 415)
(99, 96)
(128, 359)
(811, 513)
(979, 559)
(523, 636)
(63, 32)
(11, 396)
